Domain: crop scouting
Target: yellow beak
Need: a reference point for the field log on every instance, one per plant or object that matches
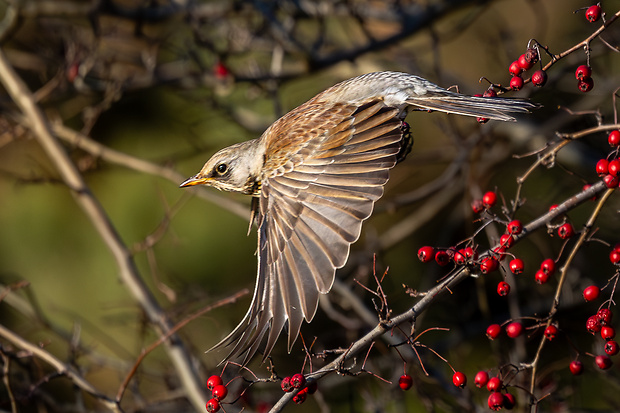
(194, 180)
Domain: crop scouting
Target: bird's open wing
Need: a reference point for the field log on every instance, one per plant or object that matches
(328, 171)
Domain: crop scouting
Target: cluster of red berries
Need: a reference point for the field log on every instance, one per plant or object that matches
(524, 63)
(610, 170)
(298, 381)
(583, 74)
(599, 323)
(219, 392)
(495, 385)
(547, 269)
(513, 330)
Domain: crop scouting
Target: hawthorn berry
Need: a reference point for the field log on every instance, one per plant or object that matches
(477, 206)
(459, 257)
(426, 253)
(583, 72)
(593, 325)
(213, 381)
(576, 367)
(541, 277)
(459, 379)
(516, 266)
(608, 332)
(514, 227)
(585, 85)
(591, 293)
(442, 258)
(516, 83)
(494, 384)
(482, 120)
(470, 253)
(509, 401)
(614, 257)
(551, 332)
(514, 69)
(539, 78)
(220, 71)
(300, 397)
(612, 348)
(220, 391)
(503, 288)
(604, 316)
(405, 382)
(489, 199)
(566, 230)
(614, 167)
(548, 266)
(603, 362)
(298, 381)
(493, 331)
(489, 264)
(481, 379)
(506, 240)
(213, 406)
(524, 62)
(490, 93)
(514, 329)
(286, 385)
(496, 401)
(611, 181)
(614, 138)
(602, 167)
(593, 13)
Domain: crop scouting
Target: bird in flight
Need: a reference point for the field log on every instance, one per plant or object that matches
(314, 176)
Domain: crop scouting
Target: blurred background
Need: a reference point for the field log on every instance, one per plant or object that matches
(141, 93)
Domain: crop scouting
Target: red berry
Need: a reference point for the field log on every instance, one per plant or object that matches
(514, 329)
(541, 277)
(459, 257)
(551, 332)
(539, 78)
(524, 62)
(611, 348)
(602, 167)
(489, 199)
(286, 385)
(459, 379)
(611, 181)
(586, 84)
(481, 379)
(593, 325)
(591, 293)
(470, 253)
(442, 258)
(477, 206)
(583, 72)
(514, 227)
(614, 138)
(300, 397)
(506, 241)
(593, 13)
(603, 362)
(213, 406)
(213, 381)
(220, 391)
(516, 266)
(531, 55)
(493, 331)
(548, 266)
(503, 288)
(494, 384)
(516, 83)
(425, 254)
(614, 257)
(509, 401)
(481, 120)
(514, 69)
(496, 401)
(489, 264)
(607, 332)
(576, 367)
(298, 381)
(566, 231)
(490, 93)
(614, 167)
(220, 71)
(405, 382)
(604, 316)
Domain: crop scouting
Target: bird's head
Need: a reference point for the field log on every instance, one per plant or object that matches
(235, 168)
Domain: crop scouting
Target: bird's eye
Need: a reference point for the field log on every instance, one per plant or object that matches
(221, 168)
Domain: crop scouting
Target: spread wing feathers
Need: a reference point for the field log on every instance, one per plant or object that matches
(308, 218)
(485, 107)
